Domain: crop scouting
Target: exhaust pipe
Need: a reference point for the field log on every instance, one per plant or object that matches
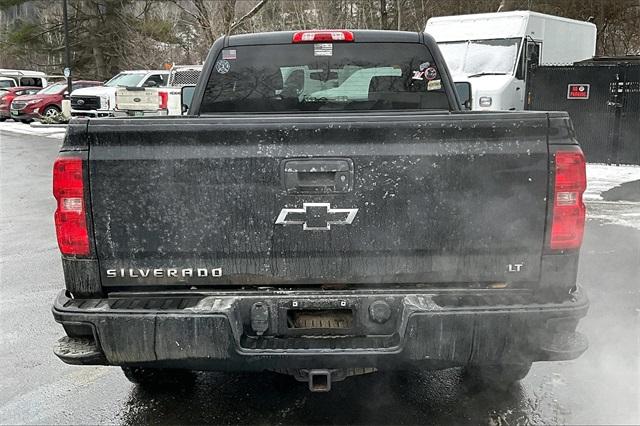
(319, 380)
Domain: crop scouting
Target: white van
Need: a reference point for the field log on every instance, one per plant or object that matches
(494, 51)
(22, 78)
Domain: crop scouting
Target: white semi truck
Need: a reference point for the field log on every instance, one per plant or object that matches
(495, 51)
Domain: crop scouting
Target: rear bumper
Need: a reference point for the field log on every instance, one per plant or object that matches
(213, 331)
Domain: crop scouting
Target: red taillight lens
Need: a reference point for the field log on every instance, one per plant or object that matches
(71, 222)
(164, 99)
(567, 226)
(322, 36)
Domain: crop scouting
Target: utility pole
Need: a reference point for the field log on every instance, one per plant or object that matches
(67, 51)
(66, 102)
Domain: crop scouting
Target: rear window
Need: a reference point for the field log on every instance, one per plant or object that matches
(31, 81)
(324, 77)
(125, 80)
(6, 83)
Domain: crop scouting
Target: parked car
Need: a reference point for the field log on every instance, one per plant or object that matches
(283, 226)
(102, 102)
(8, 94)
(22, 78)
(46, 103)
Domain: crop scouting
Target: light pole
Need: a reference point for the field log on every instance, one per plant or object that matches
(67, 51)
(66, 107)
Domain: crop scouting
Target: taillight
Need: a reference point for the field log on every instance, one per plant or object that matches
(567, 226)
(164, 99)
(322, 36)
(70, 218)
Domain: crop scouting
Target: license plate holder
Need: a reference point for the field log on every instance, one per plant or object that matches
(320, 319)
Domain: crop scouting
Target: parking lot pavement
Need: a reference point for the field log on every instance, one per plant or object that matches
(601, 387)
(55, 132)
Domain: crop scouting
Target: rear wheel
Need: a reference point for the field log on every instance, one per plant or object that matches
(3, 119)
(51, 111)
(497, 376)
(25, 121)
(159, 377)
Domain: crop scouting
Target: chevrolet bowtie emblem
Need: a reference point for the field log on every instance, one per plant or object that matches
(316, 216)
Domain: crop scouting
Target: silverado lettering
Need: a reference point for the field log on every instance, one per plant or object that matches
(439, 208)
(167, 272)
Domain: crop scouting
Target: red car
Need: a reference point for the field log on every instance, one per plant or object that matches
(46, 103)
(7, 94)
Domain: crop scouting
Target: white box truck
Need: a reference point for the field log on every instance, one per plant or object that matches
(495, 51)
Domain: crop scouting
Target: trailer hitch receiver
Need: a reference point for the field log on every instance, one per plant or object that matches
(319, 380)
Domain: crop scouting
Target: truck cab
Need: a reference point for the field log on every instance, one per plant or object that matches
(495, 51)
(101, 101)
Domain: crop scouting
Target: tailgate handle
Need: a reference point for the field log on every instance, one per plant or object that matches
(314, 175)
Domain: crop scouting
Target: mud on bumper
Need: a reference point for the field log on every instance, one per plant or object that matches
(214, 331)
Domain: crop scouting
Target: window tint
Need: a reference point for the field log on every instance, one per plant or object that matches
(7, 83)
(125, 80)
(75, 86)
(324, 77)
(31, 81)
(160, 80)
(53, 89)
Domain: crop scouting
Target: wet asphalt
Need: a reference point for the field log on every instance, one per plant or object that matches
(601, 387)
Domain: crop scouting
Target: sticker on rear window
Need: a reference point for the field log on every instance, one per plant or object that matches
(229, 54)
(222, 66)
(323, 49)
(430, 73)
(434, 85)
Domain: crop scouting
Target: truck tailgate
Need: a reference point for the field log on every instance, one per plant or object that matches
(137, 99)
(395, 198)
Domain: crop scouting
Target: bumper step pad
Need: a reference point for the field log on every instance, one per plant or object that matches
(79, 351)
(564, 346)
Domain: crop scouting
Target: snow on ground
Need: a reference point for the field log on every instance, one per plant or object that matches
(26, 129)
(602, 177)
(615, 213)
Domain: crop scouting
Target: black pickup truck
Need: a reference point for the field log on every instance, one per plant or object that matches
(326, 209)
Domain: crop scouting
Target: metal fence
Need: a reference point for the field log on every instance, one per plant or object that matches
(603, 100)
